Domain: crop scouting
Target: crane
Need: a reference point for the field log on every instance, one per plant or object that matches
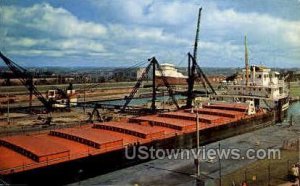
(26, 79)
(194, 70)
(154, 63)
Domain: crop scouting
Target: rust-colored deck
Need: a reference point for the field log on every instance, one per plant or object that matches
(217, 112)
(34, 148)
(227, 106)
(205, 118)
(21, 153)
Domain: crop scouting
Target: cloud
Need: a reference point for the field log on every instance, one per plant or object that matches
(270, 38)
(259, 26)
(48, 46)
(129, 31)
(42, 30)
(57, 21)
(222, 29)
(148, 12)
(144, 34)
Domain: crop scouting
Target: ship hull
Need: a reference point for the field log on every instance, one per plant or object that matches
(171, 81)
(91, 166)
(282, 108)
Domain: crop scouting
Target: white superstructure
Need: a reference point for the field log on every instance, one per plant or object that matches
(169, 70)
(263, 86)
(261, 82)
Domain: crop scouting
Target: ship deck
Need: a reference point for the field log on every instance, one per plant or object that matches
(25, 152)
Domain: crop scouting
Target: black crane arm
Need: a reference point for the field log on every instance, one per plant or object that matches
(26, 79)
(196, 47)
(197, 34)
(62, 92)
(170, 90)
(201, 73)
(136, 87)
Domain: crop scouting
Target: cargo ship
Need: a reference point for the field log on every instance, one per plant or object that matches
(172, 75)
(63, 155)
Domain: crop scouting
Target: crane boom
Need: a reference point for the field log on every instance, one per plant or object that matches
(197, 35)
(201, 73)
(194, 69)
(26, 79)
(201, 76)
(136, 87)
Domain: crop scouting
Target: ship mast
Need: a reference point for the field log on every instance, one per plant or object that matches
(246, 62)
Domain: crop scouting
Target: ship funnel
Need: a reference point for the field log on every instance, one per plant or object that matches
(246, 62)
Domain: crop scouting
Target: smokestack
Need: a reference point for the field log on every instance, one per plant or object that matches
(246, 62)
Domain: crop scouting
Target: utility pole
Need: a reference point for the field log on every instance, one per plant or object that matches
(198, 142)
(197, 158)
(220, 166)
(269, 174)
(245, 175)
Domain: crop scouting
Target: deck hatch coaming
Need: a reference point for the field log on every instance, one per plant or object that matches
(131, 129)
(34, 147)
(89, 137)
